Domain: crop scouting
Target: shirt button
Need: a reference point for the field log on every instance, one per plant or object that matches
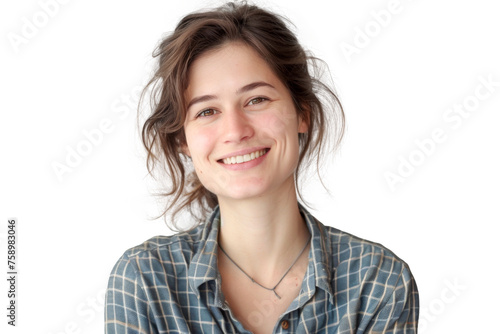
(285, 324)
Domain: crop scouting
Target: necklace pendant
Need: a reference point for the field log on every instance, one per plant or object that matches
(282, 277)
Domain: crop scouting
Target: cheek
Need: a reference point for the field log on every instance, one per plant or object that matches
(280, 125)
(272, 124)
(199, 144)
(283, 128)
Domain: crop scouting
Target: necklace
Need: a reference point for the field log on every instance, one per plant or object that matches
(273, 289)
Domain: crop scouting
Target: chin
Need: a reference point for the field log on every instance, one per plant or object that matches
(242, 192)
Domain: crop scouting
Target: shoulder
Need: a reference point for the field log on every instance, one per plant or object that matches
(368, 261)
(180, 241)
(372, 280)
(343, 253)
(161, 252)
(347, 245)
(367, 274)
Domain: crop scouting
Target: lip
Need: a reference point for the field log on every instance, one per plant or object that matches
(245, 165)
(243, 152)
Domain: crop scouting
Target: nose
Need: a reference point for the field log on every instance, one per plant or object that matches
(237, 126)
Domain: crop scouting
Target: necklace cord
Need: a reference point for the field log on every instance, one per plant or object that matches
(273, 289)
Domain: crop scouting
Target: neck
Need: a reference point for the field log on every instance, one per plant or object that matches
(263, 235)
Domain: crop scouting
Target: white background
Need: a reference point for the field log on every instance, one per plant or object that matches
(78, 67)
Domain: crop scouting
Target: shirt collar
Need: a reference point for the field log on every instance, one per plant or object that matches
(203, 267)
(320, 255)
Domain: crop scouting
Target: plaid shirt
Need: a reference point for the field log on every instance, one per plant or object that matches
(172, 285)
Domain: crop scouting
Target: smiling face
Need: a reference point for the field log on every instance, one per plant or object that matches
(241, 125)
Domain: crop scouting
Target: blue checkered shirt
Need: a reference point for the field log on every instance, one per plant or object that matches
(172, 285)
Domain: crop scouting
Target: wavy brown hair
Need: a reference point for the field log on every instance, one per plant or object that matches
(200, 32)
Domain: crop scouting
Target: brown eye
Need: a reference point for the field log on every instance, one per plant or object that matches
(206, 113)
(257, 100)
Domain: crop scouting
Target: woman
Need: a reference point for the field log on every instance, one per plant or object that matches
(233, 98)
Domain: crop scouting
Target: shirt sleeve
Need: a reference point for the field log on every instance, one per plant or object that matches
(126, 307)
(399, 313)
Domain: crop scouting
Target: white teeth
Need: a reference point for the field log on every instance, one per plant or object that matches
(243, 158)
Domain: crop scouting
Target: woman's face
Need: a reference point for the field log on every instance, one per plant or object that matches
(241, 126)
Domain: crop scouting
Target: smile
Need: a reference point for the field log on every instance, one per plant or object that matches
(238, 159)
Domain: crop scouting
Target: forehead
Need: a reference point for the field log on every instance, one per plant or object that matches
(230, 67)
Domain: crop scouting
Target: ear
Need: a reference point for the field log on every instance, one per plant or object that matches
(185, 149)
(303, 126)
(303, 120)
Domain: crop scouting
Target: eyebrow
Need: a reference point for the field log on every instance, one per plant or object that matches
(242, 90)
